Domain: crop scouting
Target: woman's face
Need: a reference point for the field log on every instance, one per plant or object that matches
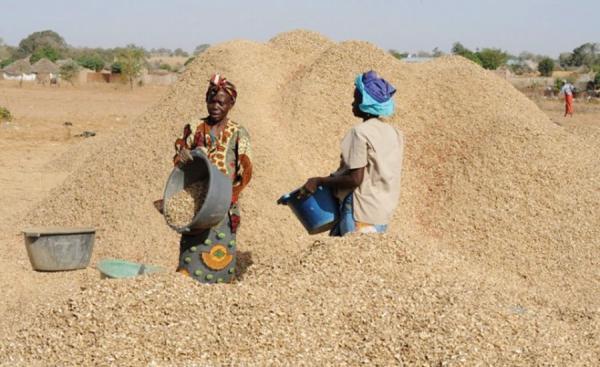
(218, 105)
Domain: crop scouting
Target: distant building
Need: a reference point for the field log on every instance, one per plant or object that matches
(19, 70)
(413, 58)
(45, 70)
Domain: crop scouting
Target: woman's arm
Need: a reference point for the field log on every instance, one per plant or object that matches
(244, 161)
(350, 180)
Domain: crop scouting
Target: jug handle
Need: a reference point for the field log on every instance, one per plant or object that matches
(284, 199)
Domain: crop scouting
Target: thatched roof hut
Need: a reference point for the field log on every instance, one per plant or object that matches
(45, 66)
(18, 68)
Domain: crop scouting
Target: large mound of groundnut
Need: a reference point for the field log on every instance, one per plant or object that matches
(492, 256)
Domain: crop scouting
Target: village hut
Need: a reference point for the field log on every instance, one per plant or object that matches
(20, 70)
(45, 70)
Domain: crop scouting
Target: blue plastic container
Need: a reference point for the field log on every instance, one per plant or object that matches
(117, 269)
(318, 212)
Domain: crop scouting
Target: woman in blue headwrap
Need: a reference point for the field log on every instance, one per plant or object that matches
(367, 183)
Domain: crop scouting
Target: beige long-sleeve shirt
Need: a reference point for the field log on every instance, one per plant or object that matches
(378, 147)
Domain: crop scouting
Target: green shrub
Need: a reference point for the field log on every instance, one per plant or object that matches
(459, 49)
(546, 67)
(131, 60)
(115, 67)
(473, 56)
(165, 66)
(492, 58)
(4, 63)
(68, 71)
(399, 55)
(5, 114)
(45, 53)
(92, 62)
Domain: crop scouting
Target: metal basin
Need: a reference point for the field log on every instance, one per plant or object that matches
(57, 249)
(218, 197)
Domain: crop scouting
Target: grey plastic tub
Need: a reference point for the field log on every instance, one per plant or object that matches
(58, 249)
(218, 196)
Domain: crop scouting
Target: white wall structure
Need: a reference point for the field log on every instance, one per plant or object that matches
(26, 77)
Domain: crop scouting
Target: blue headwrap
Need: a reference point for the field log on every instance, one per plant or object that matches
(376, 94)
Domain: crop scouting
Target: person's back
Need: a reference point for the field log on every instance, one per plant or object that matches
(567, 89)
(378, 147)
(367, 182)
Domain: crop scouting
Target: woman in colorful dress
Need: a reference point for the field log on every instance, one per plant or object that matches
(210, 256)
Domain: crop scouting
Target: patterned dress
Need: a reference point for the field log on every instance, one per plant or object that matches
(210, 256)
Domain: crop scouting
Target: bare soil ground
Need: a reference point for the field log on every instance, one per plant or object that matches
(587, 113)
(40, 146)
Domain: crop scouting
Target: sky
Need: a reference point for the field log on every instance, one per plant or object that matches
(541, 26)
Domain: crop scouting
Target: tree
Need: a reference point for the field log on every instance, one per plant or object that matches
(398, 54)
(131, 60)
(45, 53)
(201, 48)
(5, 52)
(492, 58)
(91, 61)
(459, 49)
(597, 80)
(180, 52)
(546, 66)
(69, 71)
(6, 62)
(40, 40)
(437, 52)
(564, 59)
(584, 55)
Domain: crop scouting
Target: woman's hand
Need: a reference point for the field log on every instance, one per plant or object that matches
(185, 156)
(311, 184)
(348, 181)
